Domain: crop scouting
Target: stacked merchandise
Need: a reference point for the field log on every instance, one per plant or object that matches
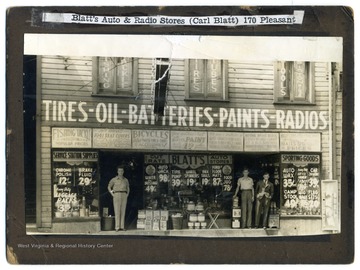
(164, 217)
(236, 214)
(197, 221)
(140, 224)
(152, 220)
(196, 217)
(148, 220)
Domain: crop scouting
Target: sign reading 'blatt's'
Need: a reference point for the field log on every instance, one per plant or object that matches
(181, 116)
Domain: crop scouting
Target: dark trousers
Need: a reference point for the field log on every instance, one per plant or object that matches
(246, 208)
(264, 205)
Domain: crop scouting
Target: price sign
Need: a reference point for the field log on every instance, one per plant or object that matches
(301, 189)
(191, 177)
(216, 173)
(176, 176)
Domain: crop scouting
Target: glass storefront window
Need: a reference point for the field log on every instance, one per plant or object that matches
(75, 184)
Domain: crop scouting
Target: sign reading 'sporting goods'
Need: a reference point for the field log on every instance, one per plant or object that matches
(112, 138)
(71, 137)
(261, 142)
(300, 142)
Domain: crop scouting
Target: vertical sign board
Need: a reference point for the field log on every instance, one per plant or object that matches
(300, 179)
(221, 171)
(330, 205)
(75, 183)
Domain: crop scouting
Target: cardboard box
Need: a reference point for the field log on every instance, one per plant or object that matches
(164, 215)
(141, 214)
(156, 214)
(163, 225)
(236, 213)
(149, 215)
(235, 224)
(140, 224)
(156, 225)
(148, 224)
(274, 221)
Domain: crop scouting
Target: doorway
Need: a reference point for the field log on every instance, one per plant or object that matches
(133, 162)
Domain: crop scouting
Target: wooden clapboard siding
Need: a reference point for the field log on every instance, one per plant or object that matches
(251, 85)
(46, 192)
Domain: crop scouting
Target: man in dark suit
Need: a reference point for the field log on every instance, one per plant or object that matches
(264, 192)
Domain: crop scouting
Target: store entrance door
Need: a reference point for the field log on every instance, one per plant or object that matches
(108, 161)
(257, 164)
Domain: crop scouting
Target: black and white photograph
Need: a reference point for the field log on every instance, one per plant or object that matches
(185, 135)
(161, 131)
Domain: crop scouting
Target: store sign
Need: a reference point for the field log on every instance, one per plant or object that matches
(112, 138)
(300, 190)
(75, 155)
(300, 159)
(225, 141)
(188, 140)
(151, 139)
(261, 142)
(71, 137)
(182, 116)
(300, 142)
(75, 184)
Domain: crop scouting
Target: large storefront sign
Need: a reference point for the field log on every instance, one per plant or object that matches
(182, 116)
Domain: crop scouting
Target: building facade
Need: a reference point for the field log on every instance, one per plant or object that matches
(184, 129)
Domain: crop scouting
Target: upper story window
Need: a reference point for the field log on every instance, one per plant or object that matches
(294, 82)
(206, 79)
(115, 76)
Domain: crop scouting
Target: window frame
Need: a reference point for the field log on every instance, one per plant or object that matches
(95, 85)
(310, 84)
(206, 97)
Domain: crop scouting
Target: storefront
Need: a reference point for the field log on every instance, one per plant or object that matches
(183, 156)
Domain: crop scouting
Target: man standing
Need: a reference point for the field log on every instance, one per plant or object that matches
(246, 185)
(264, 193)
(119, 189)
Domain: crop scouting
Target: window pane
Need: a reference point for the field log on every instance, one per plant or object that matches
(299, 80)
(124, 74)
(214, 78)
(197, 76)
(107, 68)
